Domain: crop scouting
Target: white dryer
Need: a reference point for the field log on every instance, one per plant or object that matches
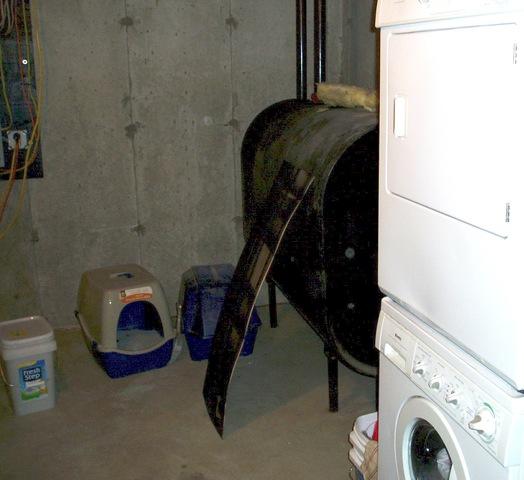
(442, 415)
(451, 217)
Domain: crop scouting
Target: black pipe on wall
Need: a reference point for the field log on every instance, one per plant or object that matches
(320, 41)
(301, 13)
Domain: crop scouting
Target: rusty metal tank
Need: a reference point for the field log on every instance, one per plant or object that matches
(327, 263)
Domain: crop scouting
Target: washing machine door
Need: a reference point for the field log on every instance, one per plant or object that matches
(426, 447)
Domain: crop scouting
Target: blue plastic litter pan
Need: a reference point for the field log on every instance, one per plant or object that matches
(202, 293)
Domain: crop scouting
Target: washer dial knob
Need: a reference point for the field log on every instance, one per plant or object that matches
(435, 382)
(420, 368)
(484, 423)
(453, 397)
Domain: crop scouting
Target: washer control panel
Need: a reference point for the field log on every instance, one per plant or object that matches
(491, 412)
(477, 412)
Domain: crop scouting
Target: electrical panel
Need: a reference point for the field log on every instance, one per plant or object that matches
(20, 153)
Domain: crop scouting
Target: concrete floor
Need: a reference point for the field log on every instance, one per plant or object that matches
(154, 425)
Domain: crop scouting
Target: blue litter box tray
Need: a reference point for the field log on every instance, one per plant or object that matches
(118, 363)
(200, 348)
(121, 363)
(202, 293)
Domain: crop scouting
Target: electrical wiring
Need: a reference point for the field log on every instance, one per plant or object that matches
(19, 206)
(3, 15)
(34, 140)
(28, 54)
(11, 181)
(35, 135)
(27, 47)
(7, 20)
(23, 84)
(7, 16)
(11, 9)
(4, 92)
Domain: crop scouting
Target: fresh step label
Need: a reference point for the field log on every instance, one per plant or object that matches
(33, 380)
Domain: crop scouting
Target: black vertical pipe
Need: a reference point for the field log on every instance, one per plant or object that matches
(301, 49)
(320, 41)
(273, 319)
(332, 377)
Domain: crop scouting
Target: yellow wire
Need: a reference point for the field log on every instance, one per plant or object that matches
(40, 80)
(27, 48)
(7, 11)
(28, 53)
(19, 206)
(4, 91)
(10, 183)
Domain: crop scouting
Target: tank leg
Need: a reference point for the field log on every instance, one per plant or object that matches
(332, 379)
(273, 321)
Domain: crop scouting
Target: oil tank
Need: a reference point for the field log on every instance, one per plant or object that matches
(326, 265)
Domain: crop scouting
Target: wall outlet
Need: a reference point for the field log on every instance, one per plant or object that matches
(13, 135)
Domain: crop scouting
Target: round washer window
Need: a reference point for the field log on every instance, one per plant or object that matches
(429, 457)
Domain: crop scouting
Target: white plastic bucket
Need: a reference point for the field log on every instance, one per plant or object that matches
(358, 445)
(359, 437)
(27, 347)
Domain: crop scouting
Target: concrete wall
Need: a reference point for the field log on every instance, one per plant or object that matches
(146, 103)
(361, 61)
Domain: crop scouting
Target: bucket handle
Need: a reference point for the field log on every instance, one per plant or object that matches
(4, 378)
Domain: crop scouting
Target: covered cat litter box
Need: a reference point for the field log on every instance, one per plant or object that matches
(27, 347)
(125, 319)
(202, 293)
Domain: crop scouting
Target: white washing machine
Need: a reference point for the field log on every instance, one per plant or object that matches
(442, 415)
(451, 217)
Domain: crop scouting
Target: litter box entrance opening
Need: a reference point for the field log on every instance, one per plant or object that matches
(139, 327)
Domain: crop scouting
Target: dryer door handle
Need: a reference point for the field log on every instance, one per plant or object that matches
(400, 116)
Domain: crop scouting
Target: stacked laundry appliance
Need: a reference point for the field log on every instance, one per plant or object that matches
(451, 237)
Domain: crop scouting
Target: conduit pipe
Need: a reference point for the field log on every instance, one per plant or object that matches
(301, 44)
(320, 41)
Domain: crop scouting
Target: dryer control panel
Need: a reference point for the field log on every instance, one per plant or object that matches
(398, 12)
